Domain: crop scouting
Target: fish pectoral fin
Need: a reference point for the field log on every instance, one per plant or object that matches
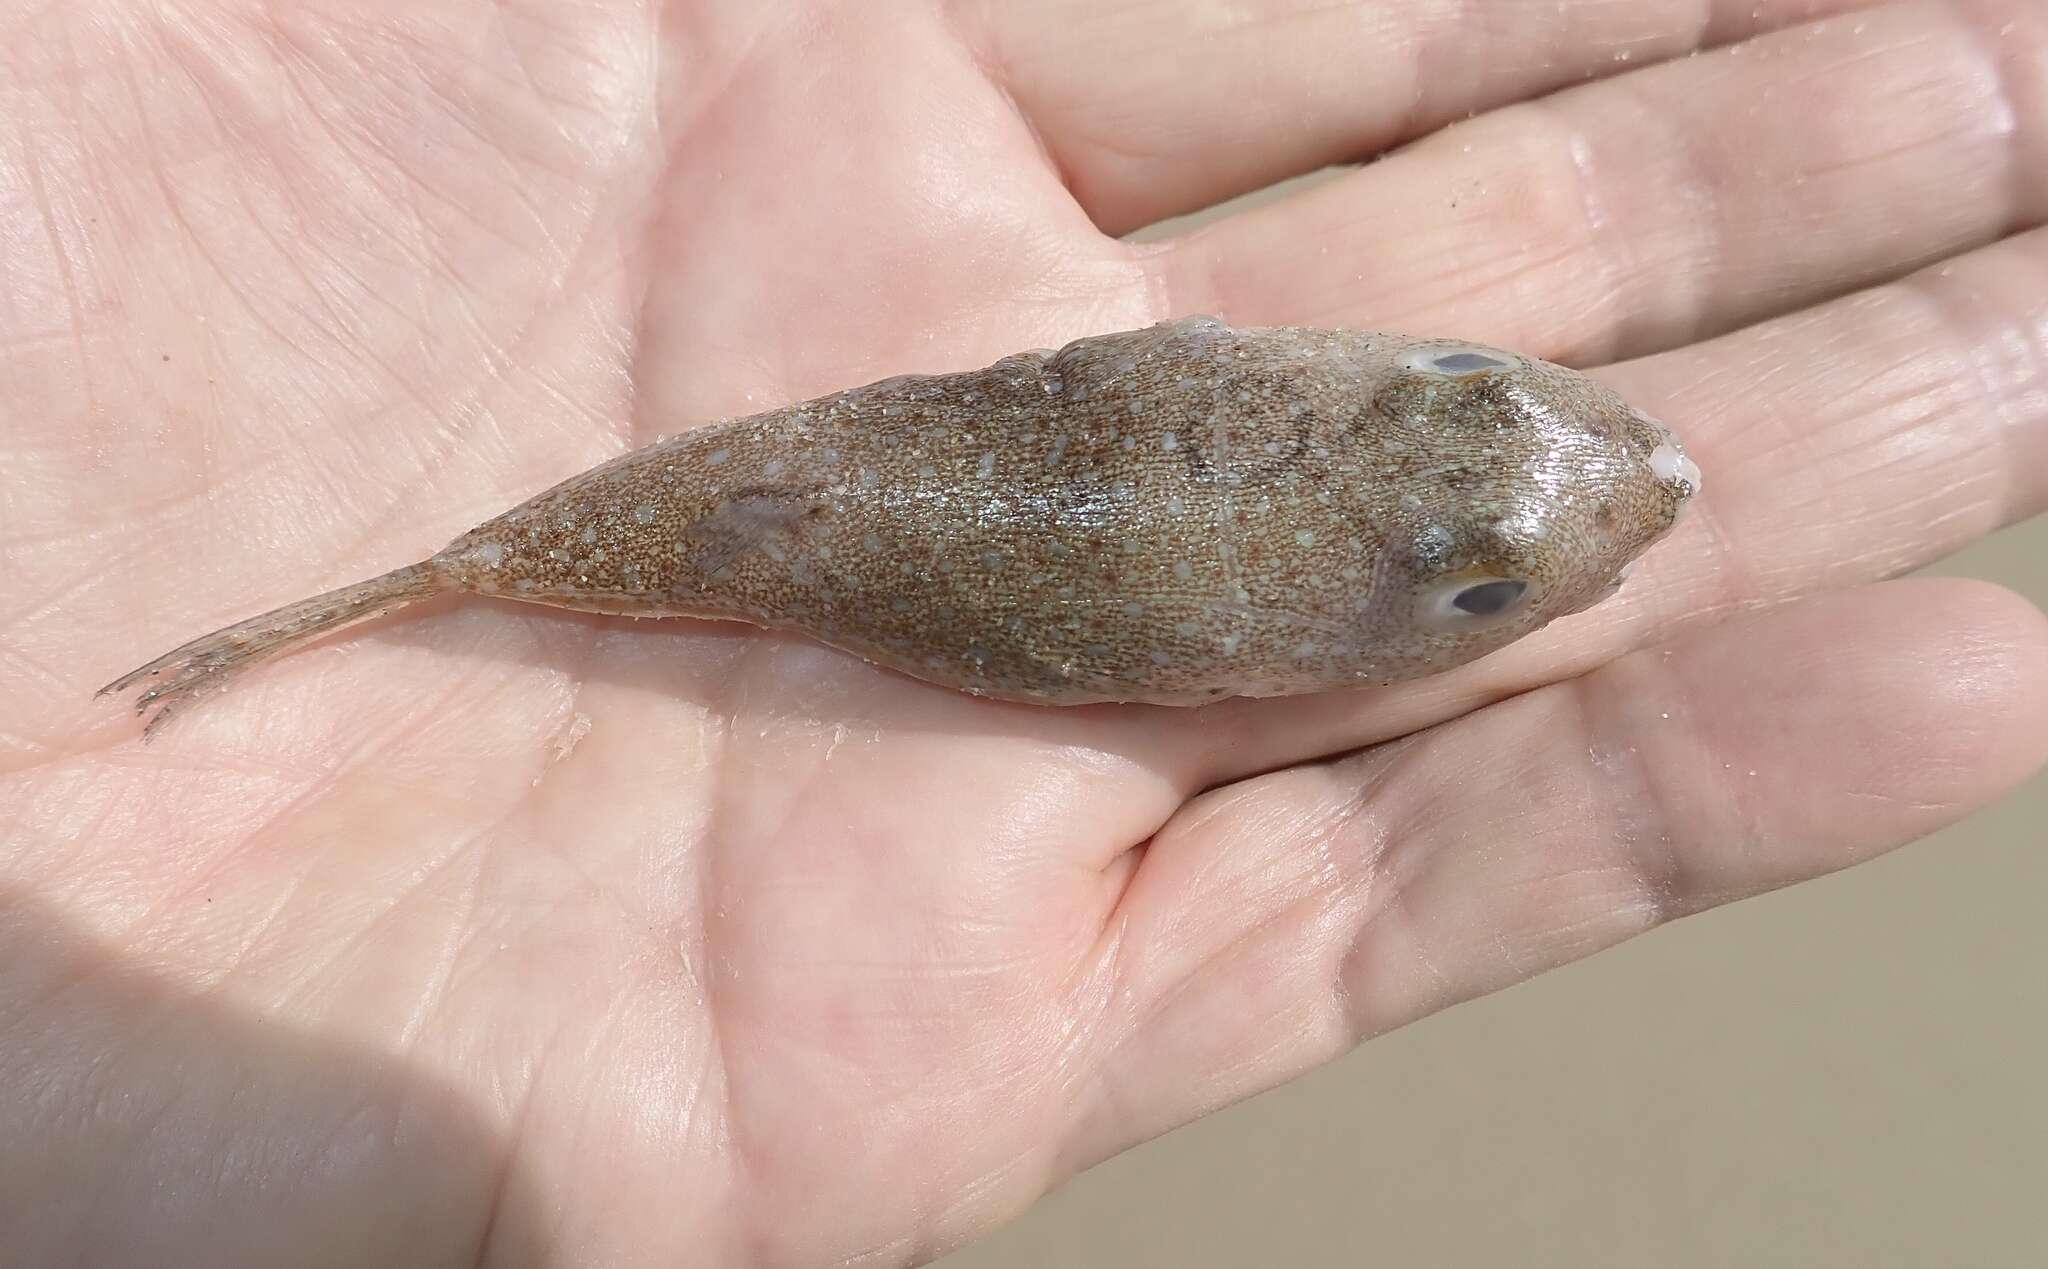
(751, 520)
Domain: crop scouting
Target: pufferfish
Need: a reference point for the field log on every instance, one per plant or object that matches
(1171, 515)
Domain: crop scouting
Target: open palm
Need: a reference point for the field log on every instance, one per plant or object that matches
(505, 935)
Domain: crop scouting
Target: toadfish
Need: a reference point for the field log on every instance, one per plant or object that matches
(1169, 515)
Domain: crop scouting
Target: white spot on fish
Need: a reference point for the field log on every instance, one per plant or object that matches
(717, 457)
(642, 514)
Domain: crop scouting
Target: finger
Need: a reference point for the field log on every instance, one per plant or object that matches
(1857, 441)
(1155, 109)
(1681, 200)
(1275, 923)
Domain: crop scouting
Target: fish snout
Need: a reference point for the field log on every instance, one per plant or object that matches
(1669, 462)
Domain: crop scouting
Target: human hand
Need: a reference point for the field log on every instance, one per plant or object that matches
(510, 935)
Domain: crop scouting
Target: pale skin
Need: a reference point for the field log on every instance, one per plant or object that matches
(509, 936)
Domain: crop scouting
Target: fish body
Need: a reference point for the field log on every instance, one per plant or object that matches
(1169, 515)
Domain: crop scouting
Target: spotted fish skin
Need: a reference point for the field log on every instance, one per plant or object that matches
(1169, 515)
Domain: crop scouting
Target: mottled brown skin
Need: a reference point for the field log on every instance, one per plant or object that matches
(1168, 515)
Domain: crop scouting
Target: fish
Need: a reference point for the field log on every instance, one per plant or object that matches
(1171, 515)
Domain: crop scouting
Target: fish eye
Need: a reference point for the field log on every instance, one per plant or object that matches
(1471, 603)
(1488, 599)
(1455, 361)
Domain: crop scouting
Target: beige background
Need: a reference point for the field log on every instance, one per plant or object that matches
(1853, 1072)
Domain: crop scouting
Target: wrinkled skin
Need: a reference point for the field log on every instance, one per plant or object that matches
(514, 937)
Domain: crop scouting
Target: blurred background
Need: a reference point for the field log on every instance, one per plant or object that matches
(1852, 1072)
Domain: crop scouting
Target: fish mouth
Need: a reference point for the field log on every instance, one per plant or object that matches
(1669, 463)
